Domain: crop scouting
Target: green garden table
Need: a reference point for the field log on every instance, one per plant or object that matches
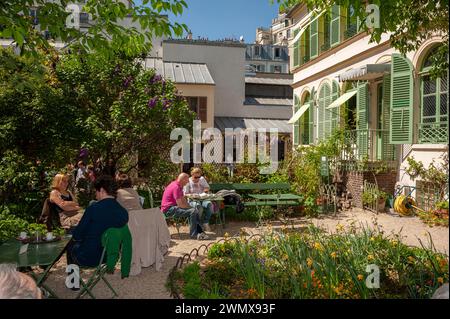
(211, 198)
(45, 254)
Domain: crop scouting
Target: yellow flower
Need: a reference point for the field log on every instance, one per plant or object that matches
(394, 243)
(309, 262)
(226, 235)
(372, 238)
(440, 280)
(337, 290)
(411, 259)
(317, 246)
(360, 277)
(370, 257)
(339, 227)
(333, 255)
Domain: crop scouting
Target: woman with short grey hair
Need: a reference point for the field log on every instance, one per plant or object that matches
(17, 285)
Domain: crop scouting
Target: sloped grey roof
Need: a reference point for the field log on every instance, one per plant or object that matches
(239, 122)
(268, 101)
(181, 72)
(271, 81)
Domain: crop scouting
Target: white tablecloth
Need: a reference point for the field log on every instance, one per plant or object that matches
(151, 239)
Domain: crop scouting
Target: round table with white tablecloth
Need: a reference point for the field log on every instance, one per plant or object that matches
(151, 239)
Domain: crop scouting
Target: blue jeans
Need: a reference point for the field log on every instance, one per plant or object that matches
(205, 208)
(192, 213)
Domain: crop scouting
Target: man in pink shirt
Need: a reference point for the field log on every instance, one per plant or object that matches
(175, 204)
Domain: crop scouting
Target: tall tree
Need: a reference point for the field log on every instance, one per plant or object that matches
(105, 34)
(410, 22)
(125, 109)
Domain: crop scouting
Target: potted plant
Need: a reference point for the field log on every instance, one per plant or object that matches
(442, 208)
(381, 201)
(368, 199)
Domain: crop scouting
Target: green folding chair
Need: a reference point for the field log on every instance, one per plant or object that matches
(178, 222)
(99, 274)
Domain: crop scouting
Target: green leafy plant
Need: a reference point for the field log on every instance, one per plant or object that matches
(442, 205)
(368, 198)
(11, 226)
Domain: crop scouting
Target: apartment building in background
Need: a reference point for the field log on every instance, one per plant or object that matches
(388, 104)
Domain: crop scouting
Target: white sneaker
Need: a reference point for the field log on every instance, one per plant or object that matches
(206, 227)
(202, 236)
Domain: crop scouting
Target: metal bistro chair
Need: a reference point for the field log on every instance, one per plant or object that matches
(99, 274)
(178, 222)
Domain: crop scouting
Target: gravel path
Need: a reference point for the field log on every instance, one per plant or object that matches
(150, 284)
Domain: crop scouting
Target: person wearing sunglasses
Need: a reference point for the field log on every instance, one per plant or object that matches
(198, 185)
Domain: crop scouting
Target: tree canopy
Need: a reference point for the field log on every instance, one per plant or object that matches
(106, 34)
(410, 22)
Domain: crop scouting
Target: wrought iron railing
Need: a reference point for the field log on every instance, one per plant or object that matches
(433, 133)
(326, 44)
(367, 146)
(351, 31)
(305, 59)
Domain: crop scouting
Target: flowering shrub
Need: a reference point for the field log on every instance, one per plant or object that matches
(315, 264)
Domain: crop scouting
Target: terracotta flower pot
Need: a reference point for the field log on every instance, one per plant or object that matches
(381, 204)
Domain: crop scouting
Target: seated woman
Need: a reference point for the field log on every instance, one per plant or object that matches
(63, 202)
(86, 247)
(197, 185)
(127, 196)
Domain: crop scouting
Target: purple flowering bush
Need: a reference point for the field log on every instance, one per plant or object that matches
(125, 111)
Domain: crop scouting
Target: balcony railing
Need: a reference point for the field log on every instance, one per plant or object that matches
(351, 31)
(433, 133)
(326, 45)
(368, 145)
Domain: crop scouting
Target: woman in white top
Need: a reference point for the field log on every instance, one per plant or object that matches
(127, 196)
(197, 185)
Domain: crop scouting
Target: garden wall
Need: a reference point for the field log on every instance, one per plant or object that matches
(354, 183)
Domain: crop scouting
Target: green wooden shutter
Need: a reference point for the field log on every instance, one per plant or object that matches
(401, 131)
(388, 150)
(296, 50)
(296, 124)
(327, 120)
(362, 123)
(314, 38)
(312, 111)
(321, 114)
(335, 111)
(311, 122)
(335, 30)
(302, 49)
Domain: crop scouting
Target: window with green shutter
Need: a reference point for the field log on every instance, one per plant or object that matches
(388, 150)
(401, 119)
(324, 116)
(304, 47)
(324, 31)
(433, 127)
(311, 116)
(314, 38)
(335, 112)
(352, 22)
(362, 121)
(304, 122)
(296, 50)
(335, 25)
(296, 124)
